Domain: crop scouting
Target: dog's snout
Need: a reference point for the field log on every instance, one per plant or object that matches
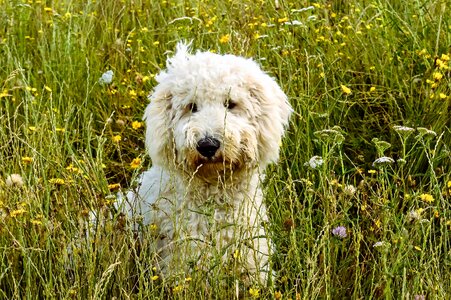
(208, 146)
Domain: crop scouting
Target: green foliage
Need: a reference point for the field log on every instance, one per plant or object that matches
(368, 81)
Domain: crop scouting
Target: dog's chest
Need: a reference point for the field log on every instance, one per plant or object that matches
(212, 210)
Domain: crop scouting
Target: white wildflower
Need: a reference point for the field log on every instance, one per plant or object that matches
(403, 128)
(14, 180)
(349, 190)
(414, 215)
(107, 77)
(384, 160)
(381, 244)
(314, 162)
(303, 9)
(294, 23)
(403, 131)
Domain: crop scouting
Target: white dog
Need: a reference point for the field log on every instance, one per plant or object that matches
(214, 123)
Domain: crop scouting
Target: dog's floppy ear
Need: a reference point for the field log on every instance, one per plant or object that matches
(158, 116)
(272, 120)
(159, 113)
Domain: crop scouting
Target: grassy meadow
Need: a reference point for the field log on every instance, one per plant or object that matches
(359, 202)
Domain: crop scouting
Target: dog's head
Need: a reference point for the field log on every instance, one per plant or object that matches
(214, 114)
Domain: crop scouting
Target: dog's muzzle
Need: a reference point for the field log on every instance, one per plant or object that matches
(208, 146)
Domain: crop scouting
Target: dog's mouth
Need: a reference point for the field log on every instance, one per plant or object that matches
(212, 168)
(217, 162)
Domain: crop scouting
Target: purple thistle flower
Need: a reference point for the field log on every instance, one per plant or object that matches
(340, 232)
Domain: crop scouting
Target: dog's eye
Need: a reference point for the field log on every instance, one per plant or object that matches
(229, 104)
(192, 107)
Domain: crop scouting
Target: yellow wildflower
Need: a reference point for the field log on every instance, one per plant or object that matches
(335, 182)
(372, 171)
(224, 39)
(17, 212)
(117, 138)
(73, 169)
(27, 160)
(4, 94)
(449, 184)
(372, 89)
(345, 89)
(444, 57)
(441, 64)
(153, 227)
(114, 186)
(378, 223)
(437, 76)
(155, 277)
(57, 181)
(427, 198)
(36, 222)
(255, 293)
(136, 125)
(282, 20)
(135, 163)
(132, 93)
(177, 289)
(48, 89)
(422, 52)
(442, 96)
(277, 295)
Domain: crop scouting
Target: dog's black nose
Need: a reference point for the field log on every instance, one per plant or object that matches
(208, 146)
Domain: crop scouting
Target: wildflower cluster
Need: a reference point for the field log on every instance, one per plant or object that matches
(439, 78)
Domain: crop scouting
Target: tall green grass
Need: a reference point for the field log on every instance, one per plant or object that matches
(359, 68)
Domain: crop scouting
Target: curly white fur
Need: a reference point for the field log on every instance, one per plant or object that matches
(208, 206)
